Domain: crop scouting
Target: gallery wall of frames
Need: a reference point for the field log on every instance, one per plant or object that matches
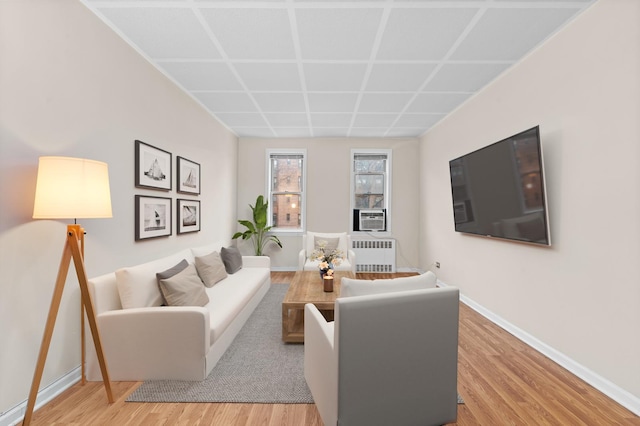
(154, 215)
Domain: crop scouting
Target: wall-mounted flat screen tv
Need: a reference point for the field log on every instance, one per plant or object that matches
(499, 190)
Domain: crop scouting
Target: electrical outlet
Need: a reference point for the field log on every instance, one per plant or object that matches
(438, 265)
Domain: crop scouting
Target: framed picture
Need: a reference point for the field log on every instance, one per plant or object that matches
(153, 217)
(188, 216)
(188, 176)
(153, 167)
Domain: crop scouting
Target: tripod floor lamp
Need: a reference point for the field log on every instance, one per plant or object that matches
(70, 188)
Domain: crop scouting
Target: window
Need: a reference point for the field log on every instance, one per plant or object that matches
(371, 181)
(286, 191)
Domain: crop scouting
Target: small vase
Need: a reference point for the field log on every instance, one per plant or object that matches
(328, 284)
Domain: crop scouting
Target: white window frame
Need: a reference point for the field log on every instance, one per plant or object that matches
(387, 187)
(303, 190)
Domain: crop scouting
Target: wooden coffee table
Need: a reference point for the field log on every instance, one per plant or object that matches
(307, 287)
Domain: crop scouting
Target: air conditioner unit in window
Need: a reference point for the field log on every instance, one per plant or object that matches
(372, 220)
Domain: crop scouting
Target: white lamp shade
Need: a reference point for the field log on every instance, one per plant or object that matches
(70, 188)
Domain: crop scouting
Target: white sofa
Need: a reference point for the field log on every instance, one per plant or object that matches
(389, 358)
(171, 342)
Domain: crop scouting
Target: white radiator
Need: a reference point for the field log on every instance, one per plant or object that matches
(375, 255)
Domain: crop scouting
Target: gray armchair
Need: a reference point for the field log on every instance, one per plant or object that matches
(388, 359)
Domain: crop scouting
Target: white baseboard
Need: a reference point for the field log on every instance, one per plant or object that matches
(616, 393)
(284, 268)
(15, 415)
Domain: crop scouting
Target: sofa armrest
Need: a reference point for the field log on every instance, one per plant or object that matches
(320, 363)
(302, 259)
(154, 342)
(256, 262)
(351, 255)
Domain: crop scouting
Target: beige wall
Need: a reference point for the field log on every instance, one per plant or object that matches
(580, 297)
(328, 190)
(70, 86)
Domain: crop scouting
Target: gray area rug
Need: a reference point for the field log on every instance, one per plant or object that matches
(257, 368)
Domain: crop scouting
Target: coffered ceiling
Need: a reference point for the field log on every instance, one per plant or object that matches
(299, 68)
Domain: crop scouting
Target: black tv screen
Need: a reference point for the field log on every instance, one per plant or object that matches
(499, 190)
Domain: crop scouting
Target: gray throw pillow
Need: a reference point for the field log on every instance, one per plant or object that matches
(232, 259)
(211, 268)
(332, 243)
(184, 288)
(181, 266)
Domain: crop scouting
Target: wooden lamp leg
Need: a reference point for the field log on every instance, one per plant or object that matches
(72, 249)
(88, 305)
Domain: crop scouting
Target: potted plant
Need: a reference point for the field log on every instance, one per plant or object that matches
(258, 230)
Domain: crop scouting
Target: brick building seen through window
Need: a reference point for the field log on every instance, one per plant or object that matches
(286, 172)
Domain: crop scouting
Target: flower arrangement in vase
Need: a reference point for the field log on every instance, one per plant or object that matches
(328, 258)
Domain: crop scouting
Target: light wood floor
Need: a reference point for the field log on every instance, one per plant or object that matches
(502, 380)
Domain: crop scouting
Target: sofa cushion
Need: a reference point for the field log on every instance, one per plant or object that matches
(330, 243)
(354, 287)
(184, 288)
(232, 259)
(181, 266)
(211, 268)
(138, 285)
(230, 296)
(313, 236)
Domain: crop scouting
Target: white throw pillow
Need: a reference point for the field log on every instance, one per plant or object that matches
(138, 285)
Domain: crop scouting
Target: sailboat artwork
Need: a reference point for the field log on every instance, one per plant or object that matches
(153, 167)
(189, 215)
(155, 171)
(155, 217)
(188, 176)
(191, 180)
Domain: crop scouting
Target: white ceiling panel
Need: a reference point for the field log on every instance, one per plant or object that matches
(398, 77)
(329, 68)
(337, 33)
(332, 102)
(383, 102)
(331, 120)
(296, 119)
(366, 132)
(202, 75)
(374, 120)
(252, 33)
(508, 34)
(422, 34)
(269, 76)
(327, 132)
(163, 33)
(280, 102)
(332, 77)
(292, 132)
